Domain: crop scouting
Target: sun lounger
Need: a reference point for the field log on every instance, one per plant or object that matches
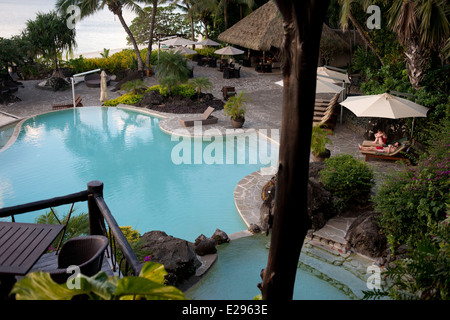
(205, 119)
(387, 156)
(66, 105)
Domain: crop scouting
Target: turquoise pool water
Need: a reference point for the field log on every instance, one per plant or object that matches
(59, 152)
(236, 273)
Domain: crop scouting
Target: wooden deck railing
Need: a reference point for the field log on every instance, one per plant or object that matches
(98, 214)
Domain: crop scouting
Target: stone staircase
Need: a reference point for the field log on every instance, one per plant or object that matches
(324, 255)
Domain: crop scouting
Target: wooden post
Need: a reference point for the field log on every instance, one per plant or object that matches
(302, 22)
(95, 216)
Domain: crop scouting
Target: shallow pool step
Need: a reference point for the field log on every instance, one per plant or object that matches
(344, 270)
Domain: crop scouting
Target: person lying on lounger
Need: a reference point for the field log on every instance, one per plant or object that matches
(389, 149)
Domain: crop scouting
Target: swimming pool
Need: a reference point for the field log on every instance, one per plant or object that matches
(236, 273)
(59, 152)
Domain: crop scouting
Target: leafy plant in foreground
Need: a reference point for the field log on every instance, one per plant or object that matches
(149, 285)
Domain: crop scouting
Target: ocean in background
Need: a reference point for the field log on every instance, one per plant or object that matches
(93, 34)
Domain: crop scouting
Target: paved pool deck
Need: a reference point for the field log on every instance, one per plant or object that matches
(263, 112)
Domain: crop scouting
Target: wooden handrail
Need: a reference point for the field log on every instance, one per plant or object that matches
(98, 210)
(44, 204)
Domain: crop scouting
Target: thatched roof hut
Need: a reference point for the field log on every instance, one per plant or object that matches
(263, 29)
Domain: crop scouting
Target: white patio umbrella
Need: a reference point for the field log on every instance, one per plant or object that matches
(229, 51)
(207, 42)
(333, 74)
(177, 42)
(184, 50)
(103, 87)
(384, 105)
(322, 86)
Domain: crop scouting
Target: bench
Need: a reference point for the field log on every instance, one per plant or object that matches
(66, 105)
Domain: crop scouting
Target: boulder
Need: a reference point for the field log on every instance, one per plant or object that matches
(133, 75)
(220, 237)
(177, 255)
(321, 203)
(364, 236)
(204, 245)
(150, 99)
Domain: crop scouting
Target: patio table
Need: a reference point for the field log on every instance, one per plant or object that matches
(21, 245)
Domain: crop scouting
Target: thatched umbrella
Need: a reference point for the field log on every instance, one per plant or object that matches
(263, 29)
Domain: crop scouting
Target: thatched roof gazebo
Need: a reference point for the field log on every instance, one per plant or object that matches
(262, 30)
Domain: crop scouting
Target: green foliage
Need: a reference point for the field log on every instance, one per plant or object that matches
(49, 35)
(184, 90)
(149, 285)
(161, 89)
(113, 64)
(167, 21)
(78, 224)
(235, 107)
(365, 61)
(349, 179)
(134, 87)
(127, 98)
(172, 69)
(425, 272)
(413, 201)
(201, 83)
(319, 139)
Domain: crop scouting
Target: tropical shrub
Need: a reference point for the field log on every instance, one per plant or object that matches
(135, 87)
(127, 98)
(235, 107)
(425, 271)
(414, 200)
(184, 90)
(77, 226)
(349, 179)
(149, 285)
(161, 89)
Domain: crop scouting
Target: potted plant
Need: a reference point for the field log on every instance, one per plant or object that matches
(235, 109)
(319, 139)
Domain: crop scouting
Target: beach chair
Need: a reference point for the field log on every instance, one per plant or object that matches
(205, 119)
(66, 105)
(394, 156)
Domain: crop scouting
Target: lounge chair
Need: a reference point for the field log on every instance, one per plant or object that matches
(205, 119)
(66, 105)
(395, 156)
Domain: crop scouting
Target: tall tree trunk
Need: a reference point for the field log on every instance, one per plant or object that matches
(364, 36)
(150, 38)
(417, 59)
(133, 41)
(302, 21)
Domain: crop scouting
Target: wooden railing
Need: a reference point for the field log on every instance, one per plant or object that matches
(98, 214)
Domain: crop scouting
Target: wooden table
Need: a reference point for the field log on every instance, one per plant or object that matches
(21, 245)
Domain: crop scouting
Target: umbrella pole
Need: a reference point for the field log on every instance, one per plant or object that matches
(412, 129)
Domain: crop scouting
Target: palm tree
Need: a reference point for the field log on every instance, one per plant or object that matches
(199, 83)
(347, 14)
(423, 27)
(154, 4)
(89, 7)
(189, 14)
(172, 69)
(49, 36)
(223, 4)
(203, 10)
